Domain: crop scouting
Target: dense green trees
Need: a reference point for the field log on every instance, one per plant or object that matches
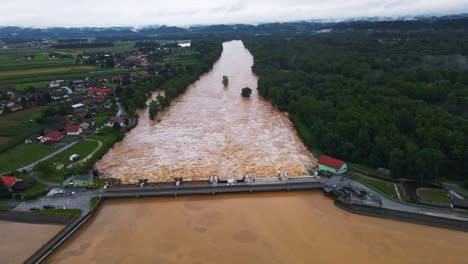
(246, 92)
(384, 101)
(153, 109)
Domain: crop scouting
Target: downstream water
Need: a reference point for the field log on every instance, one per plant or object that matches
(20, 241)
(297, 227)
(212, 130)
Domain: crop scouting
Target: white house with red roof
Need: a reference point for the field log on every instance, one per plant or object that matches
(52, 137)
(329, 164)
(73, 130)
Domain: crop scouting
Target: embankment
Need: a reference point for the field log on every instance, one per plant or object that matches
(403, 216)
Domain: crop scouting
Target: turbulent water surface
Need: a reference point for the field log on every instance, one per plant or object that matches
(297, 227)
(212, 130)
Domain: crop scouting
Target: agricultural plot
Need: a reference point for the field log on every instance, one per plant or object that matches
(184, 59)
(21, 74)
(17, 126)
(23, 155)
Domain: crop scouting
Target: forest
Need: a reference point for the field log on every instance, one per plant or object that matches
(397, 101)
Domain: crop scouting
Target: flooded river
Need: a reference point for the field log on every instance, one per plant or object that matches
(297, 227)
(20, 241)
(212, 130)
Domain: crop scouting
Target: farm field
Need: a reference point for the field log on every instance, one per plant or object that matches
(17, 126)
(23, 154)
(21, 74)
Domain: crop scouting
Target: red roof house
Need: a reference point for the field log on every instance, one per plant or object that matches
(327, 163)
(94, 89)
(51, 137)
(99, 90)
(9, 180)
(73, 130)
(99, 97)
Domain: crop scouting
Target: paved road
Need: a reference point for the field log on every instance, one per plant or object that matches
(79, 200)
(31, 166)
(120, 111)
(394, 205)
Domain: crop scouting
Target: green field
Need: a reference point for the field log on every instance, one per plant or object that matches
(17, 126)
(183, 58)
(436, 195)
(64, 212)
(383, 187)
(83, 149)
(20, 74)
(23, 155)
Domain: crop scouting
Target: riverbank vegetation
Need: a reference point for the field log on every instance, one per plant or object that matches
(381, 100)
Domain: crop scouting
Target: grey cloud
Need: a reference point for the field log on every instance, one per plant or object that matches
(44, 13)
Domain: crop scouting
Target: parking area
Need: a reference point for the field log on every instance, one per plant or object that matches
(76, 198)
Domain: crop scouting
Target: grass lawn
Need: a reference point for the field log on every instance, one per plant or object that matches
(436, 195)
(101, 118)
(65, 212)
(93, 202)
(24, 154)
(4, 208)
(84, 148)
(381, 186)
(364, 168)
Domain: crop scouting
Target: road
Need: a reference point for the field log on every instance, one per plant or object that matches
(395, 205)
(29, 168)
(79, 200)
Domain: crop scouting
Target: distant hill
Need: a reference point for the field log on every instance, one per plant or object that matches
(373, 24)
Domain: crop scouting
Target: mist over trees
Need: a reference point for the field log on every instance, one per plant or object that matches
(385, 100)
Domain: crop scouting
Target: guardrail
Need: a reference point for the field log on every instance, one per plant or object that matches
(210, 189)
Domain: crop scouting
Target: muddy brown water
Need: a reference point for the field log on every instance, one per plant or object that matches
(20, 240)
(212, 130)
(297, 227)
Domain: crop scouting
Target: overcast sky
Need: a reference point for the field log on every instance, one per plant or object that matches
(79, 13)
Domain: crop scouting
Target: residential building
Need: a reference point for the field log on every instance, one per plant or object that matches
(73, 130)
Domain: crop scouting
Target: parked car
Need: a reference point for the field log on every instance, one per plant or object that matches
(34, 208)
(48, 206)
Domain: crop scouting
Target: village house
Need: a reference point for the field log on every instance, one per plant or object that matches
(73, 130)
(52, 137)
(9, 181)
(32, 139)
(80, 112)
